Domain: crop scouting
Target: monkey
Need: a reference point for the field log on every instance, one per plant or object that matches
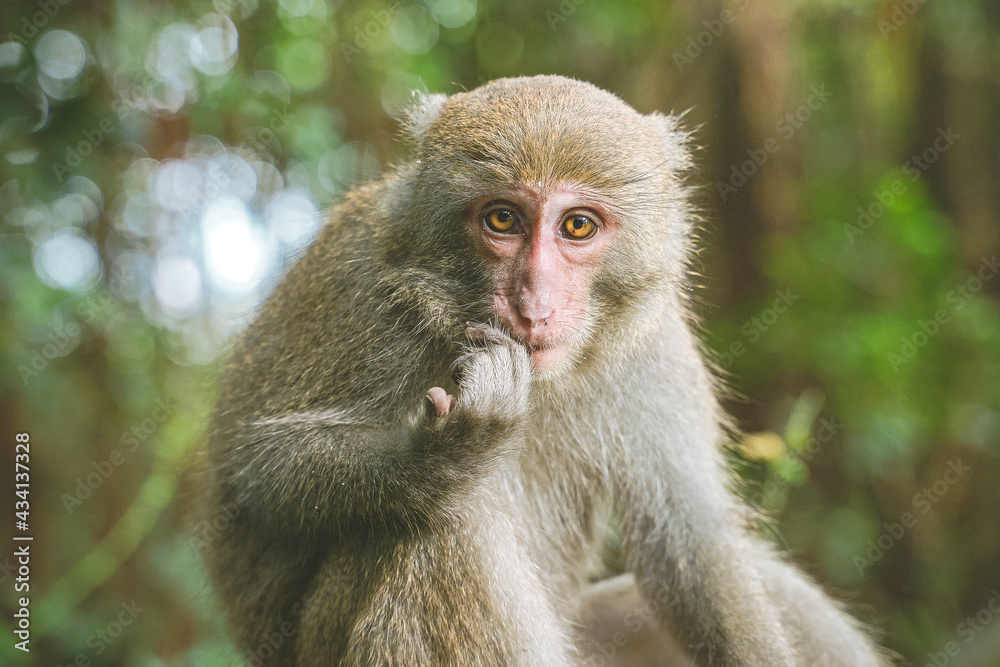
(480, 358)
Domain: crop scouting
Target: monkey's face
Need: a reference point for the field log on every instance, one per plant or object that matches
(569, 198)
(543, 245)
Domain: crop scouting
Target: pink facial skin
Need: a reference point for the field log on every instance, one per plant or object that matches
(541, 272)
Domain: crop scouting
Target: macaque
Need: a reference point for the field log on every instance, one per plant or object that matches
(481, 358)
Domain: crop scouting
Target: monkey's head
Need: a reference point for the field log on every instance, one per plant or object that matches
(563, 200)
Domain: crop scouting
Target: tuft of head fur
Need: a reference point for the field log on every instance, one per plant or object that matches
(417, 118)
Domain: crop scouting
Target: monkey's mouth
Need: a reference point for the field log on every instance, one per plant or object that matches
(538, 343)
(533, 347)
(545, 354)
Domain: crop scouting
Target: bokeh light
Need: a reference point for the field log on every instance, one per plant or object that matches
(68, 260)
(177, 285)
(61, 54)
(12, 54)
(213, 49)
(293, 218)
(414, 29)
(238, 253)
(452, 13)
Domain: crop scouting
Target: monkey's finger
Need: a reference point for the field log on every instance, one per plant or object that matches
(484, 334)
(439, 403)
(477, 332)
(458, 367)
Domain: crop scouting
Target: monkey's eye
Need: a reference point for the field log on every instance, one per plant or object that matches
(501, 219)
(579, 227)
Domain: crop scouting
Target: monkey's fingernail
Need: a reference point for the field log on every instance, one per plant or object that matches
(477, 332)
(456, 371)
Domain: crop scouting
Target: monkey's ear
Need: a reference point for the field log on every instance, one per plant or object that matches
(419, 116)
(673, 141)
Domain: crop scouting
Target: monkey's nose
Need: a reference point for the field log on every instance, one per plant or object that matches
(534, 309)
(535, 318)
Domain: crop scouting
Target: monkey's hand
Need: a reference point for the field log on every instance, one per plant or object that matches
(494, 379)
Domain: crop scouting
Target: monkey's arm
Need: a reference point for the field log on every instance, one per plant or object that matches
(730, 598)
(690, 544)
(696, 564)
(824, 634)
(683, 530)
(319, 470)
(315, 470)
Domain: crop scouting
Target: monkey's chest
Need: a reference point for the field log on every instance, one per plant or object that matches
(563, 514)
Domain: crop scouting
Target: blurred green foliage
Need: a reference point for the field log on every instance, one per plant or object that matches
(160, 166)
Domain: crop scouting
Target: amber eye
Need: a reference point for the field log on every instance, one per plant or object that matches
(501, 219)
(579, 227)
